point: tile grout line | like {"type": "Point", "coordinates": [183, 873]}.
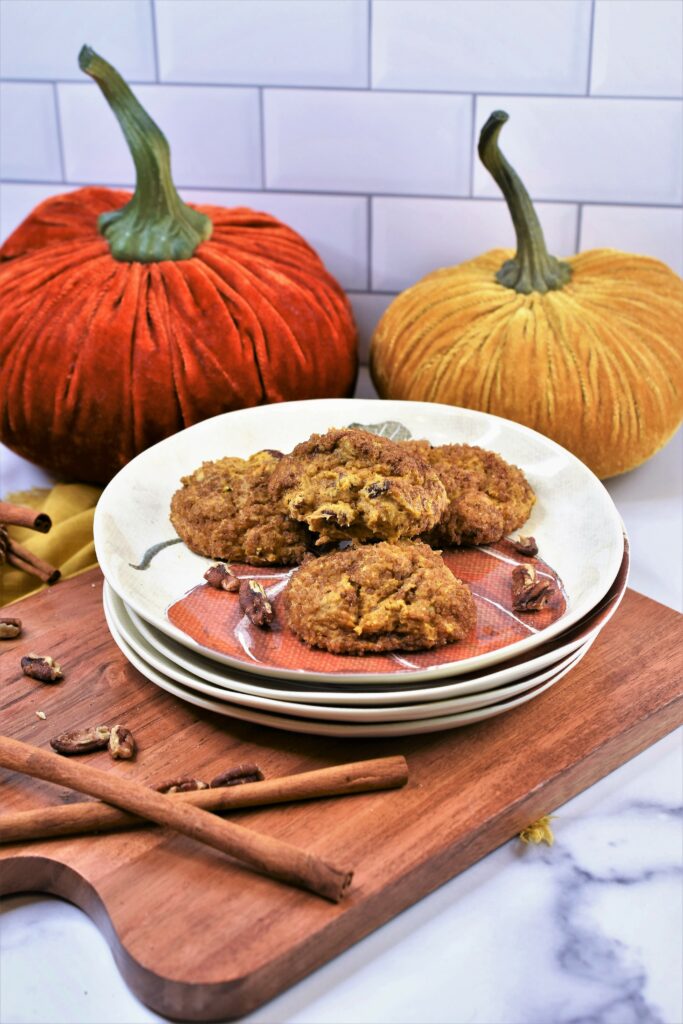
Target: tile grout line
{"type": "Point", "coordinates": [377, 291]}
{"type": "Point", "coordinates": [369, 55]}
{"type": "Point", "coordinates": [155, 39]}
{"type": "Point", "coordinates": [262, 137]}
{"type": "Point", "coordinates": [60, 140]}
{"type": "Point", "coordinates": [473, 135]}
{"type": "Point", "coordinates": [335, 193]}
{"type": "Point", "coordinates": [369, 243]}
{"type": "Point", "coordinates": [415, 91]}
{"type": "Point", "coordinates": [591, 35]}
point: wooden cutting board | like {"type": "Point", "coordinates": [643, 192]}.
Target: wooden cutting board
{"type": "Point", "coordinates": [198, 937]}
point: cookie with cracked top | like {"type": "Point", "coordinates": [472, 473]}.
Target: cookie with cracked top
{"type": "Point", "coordinates": [224, 510]}
{"type": "Point", "coordinates": [351, 484]}
{"type": "Point", "coordinates": [487, 496]}
{"type": "Point", "coordinates": [379, 597]}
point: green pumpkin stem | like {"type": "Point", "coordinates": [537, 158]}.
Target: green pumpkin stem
{"type": "Point", "coordinates": [156, 224]}
{"type": "Point", "coordinates": [533, 269]}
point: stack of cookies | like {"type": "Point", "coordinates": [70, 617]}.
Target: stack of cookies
{"type": "Point", "coordinates": [365, 518]}
{"type": "Point", "coordinates": [359, 582]}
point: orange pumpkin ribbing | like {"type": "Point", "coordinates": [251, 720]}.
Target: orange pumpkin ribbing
{"type": "Point", "coordinates": [100, 358]}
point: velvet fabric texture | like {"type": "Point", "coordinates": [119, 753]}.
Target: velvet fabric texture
{"type": "Point", "coordinates": [597, 365]}
{"type": "Point", "coordinates": [100, 359]}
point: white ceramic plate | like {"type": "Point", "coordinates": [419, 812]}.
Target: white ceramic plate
{"type": "Point", "coordinates": [574, 520]}
{"type": "Point", "coordinates": [390, 694]}
{"type": "Point", "coordinates": [312, 727]}
{"type": "Point", "coordinates": [117, 613]}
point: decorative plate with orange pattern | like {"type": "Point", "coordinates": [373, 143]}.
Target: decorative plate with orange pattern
{"type": "Point", "coordinates": [576, 525]}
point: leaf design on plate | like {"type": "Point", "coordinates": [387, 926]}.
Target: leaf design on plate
{"type": "Point", "coordinates": [154, 550]}
{"type": "Point", "coordinates": [390, 428]}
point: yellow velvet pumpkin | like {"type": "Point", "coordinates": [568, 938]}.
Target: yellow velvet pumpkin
{"type": "Point", "coordinates": [588, 351]}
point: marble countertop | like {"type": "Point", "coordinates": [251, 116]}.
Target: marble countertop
{"type": "Point", "coordinates": [589, 931]}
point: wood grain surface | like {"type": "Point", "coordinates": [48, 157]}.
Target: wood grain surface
{"type": "Point", "coordinates": [199, 937]}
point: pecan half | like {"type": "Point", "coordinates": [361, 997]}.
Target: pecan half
{"type": "Point", "coordinates": [41, 667]}
{"type": "Point", "coordinates": [236, 776]}
{"type": "Point", "coordinates": [220, 578]}
{"type": "Point", "coordinates": [530, 593]}
{"type": "Point", "coordinates": [526, 546]}
{"type": "Point", "coordinates": [183, 785]}
{"type": "Point", "coordinates": [9, 628]}
{"type": "Point", "coordinates": [81, 741]}
{"type": "Point", "coordinates": [121, 743]}
{"type": "Point", "coordinates": [378, 487]}
{"type": "Point", "coordinates": [255, 604]}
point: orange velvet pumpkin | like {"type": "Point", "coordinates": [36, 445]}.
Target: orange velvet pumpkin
{"type": "Point", "coordinates": [120, 328]}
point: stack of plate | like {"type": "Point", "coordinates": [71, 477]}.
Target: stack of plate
{"type": "Point", "coordinates": [577, 528]}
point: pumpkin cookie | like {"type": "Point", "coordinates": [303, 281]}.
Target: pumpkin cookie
{"type": "Point", "coordinates": [350, 484]}
{"type": "Point", "coordinates": [487, 496]}
{"type": "Point", "coordinates": [379, 597]}
{"type": "Point", "coordinates": [223, 510]}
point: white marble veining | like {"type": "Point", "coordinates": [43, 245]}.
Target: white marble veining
{"type": "Point", "coordinates": [589, 931]}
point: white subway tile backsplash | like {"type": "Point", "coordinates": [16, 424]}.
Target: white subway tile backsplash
{"type": "Point", "coordinates": [17, 201]}
{"type": "Point", "coordinates": [367, 310]}
{"type": "Point", "coordinates": [336, 226]}
{"type": "Point", "coordinates": [29, 142]}
{"type": "Point", "coordinates": [351, 120]}
{"type": "Point", "coordinates": [264, 42]}
{"type": "Point", "coordinates": [213, 134]}
{"type": "Point", "coordinates": [364, 386]}
{"type": "Point", "coordinates": [590, 149]}
{"type": "Point", "coordinates": [638, 48]}
{"type": "Point", "coordinates": [475, 45]}
{"type": "Point", "coordinates": [367, 142]}
{"type": "Point", "coordinates": [412, 237]}
{"type": "Point", "coordinates": [42, 38]}
{"type": "Point", "coordinates": [645, 230]}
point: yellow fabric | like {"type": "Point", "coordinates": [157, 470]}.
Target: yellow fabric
{"type": "Point", "coordinates": [69, 545]}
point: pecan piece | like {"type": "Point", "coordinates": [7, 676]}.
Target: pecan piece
{"type": "Point", "coordinates": [121, 743]}
{"type": "Point", "coordinates": [526, 546]}
{"type": "Point", "coordinates": [9, 628]}
{"type": "Point", "coordinates": [41, 667]}
{"type": "Point", "coordinates": [183, 785]}
{"type": "Point", "coordinates": [337, 516]}
{"type": "Point", "coordinates": [81, 741]}
{"type": "Point", "coordinates": [378, 487]}
{"type": "Point", "coordinates": [220, 578]}
{"type": "Point", "coordinates": [530, 593]}
{"type": "Point", "coordinates": [255, 604]}
{"type": "Point", "coordinates": [237, 775]}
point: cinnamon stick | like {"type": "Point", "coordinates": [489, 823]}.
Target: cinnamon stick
{"type": "Point", "coordinates": [270, 856]}
{"type": "Point", "coordinates": [22, 515]}
{"type": "Point", "coordinates": [340, 780]}
{"type": "Point", "coordinates": [21, 558]}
